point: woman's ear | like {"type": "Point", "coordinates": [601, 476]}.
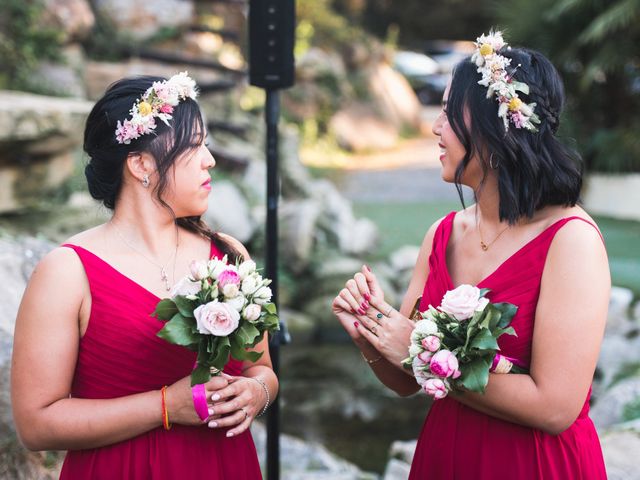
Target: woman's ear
{"type": "Point", "coordinates": [140, 166]}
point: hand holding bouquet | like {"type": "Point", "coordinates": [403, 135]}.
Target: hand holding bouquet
{"type": "Point", "coordinates": [455, 345]}
{"type": "Point", "coordinates": [218, 310]}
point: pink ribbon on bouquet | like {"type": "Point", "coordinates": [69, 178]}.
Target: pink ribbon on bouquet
{"type": "Point", "coordinates": [200, 401]}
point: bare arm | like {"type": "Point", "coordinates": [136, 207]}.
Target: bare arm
{"type": "Point", "coordinates": [44, 359]}
{"type": "Point", "coordinates": [569, 326]}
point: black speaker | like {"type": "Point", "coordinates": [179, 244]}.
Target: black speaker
{"type": "Point", "coordinates": [271, 39]}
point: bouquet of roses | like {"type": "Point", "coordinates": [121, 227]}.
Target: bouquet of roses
{"type": "Point", "coordinates": [455, 345]}
{"type": "Point", "coordinates": [218, 310]}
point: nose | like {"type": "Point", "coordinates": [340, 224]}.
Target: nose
{"type": "Point", "coordinates": [209, 161]}
{"type": "Point", "coordinates": [437, 124]}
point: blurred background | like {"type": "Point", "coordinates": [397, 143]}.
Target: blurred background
{"type": "Point", "coordinates": [360, 179]}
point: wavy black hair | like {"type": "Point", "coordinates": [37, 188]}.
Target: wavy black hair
{"type": "Point", "coordinates": [107, 157]}
{"type": "Point", "coordinates": [534, 168]}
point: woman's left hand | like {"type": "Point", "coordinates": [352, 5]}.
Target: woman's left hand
{"type": "Point", "coordinates": [384, 327]}
{"type": "Point", "coordinates": [236, 405]}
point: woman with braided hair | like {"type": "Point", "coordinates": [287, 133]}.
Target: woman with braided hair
{"type": "Point", "coordinates": [526, 240]}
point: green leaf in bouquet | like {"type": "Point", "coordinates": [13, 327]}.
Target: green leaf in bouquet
{"type": "Point", "coordinates": [165, 309]}
{"type": "Point", "coordinates": [178, 331]}
{"type": "Point", "coordinates": [507, 330]}
{"type": "Point", "coordinates": [475, 374]}
{"type": "Point", "coordinates": [270, 308]}
{"type": "Point", "coordinates": [219, 357]}
{"type": "Point", "coordinates": [185, 306]}
{"type": "Point", "coordinates": [508, 311]}
{"type": "Point", "coordinates": [484, 340]}
{"type": "Point", "coordinates": [484, 291]}
{"type": "Point", "coordinates": [239, 352]}
{"type": "Point", "coordinates": [248, 335]}
{"type": "Point", "coordinates": [200, 374]}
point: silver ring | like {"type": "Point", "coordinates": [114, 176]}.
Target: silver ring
{"type": "Point", "coordinates": [373, 330]}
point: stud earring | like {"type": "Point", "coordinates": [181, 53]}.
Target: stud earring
{"type": "Point", "coordinates": [145, 180]}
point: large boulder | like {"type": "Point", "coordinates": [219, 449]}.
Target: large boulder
{"type": "Point", "coordinates": [142, 20]}
{"type": "Point", "coordinates": [74, 18]}
{"type": "Point", "coordinates": [616, 402]}
{"type": "Point", "coordinates": [620, 448]}
{"type": "Point", "coordinates": [39, 136]}
{"type": "Point", "coordinates": [228, 211]}
{"type": "Point", "coordinates": [359, 128]}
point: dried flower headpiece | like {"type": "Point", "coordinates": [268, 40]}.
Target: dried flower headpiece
{"type": "Point", "coordinates": [493, 68]}
{"type": "Point", "coordinates": [157, 102]}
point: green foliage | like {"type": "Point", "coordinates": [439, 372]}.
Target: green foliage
{"type": "Point", "coordinates": [594, 46]}
{"type": "Point", "coordinates": [24, 42]}
{"type": "Point", "coordinates": [631, 410]}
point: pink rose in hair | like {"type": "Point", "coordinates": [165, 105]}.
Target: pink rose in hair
{"type": "Point", "coordinates": [216, 318]}
{"type": "Point", "coordinates": [166, 108]}
{"type": "Point", "coordinates": [444, 364]}
{"type": "Point", "coordinates": [435, 387]}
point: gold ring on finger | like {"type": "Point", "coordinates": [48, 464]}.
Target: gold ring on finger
{"type": "Point", "coordinates": [373, 330]}
{"type": "Point", "coordinates": [246, 415]}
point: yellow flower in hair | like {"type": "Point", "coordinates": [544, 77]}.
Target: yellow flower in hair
{"type": "Point", "coordinates": [486, 49]}
{"type": "Point", "coordinates": [515, 104]}
{"type": "Point", "coordinates": [144, 108]}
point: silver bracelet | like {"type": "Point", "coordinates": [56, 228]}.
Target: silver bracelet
{"type": "Point", "coordinates": [266, 392]}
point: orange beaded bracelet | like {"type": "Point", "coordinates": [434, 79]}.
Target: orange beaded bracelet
{"type": "Point", "coordinates": [165, 412]}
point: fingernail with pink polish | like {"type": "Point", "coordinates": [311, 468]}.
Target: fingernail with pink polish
{"type": "Point", "coordinates": [367, 267]}
{"type": "Point", "coordinates": [213, 424]}
{"type": "Point", "coordinates": [229, 434]}
{"type": "Point", "coordinates": [211, 411]}
{"type": "Point", "coordinates": [367, 297]}
{"type": "Point", "coordinates": [215, 397]}
{"type": "Point", "coordinates": [356, 324]}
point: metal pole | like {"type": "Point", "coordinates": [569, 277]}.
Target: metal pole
{"type": "Point", "coordinates": [272, 113]}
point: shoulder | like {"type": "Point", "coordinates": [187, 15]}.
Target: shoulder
{"type": "Point", "coordinates": [578, 232]}
{"type": "Point", "coordinates": [88, 238]}
{"type": "Point", "coordinates": [427, 242]}
{"type": "Point", "coordinates": [235, 244]}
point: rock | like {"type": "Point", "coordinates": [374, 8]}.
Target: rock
{"type": "Point", "coordinates": [397, 470]}
{"type": "Point", "coordinates": [619, 349]}
{"type": "Point", "coordinates": [404, 258]}
{"type": "Point", "coordinates": [619, 305]}
{"type": "Point", "coordinates": [64, 78]}
{"type": "Point", "coordinates": [74, 18]}
{"type": "Point", "coordinates": [358, 128]}
{"type": "Point", "coordinates": [300, 325]}
{"type": "Point", "coordinates": [620, 448]}
{"type": "Point", "coordinates": [394, 96]}
{"type": "Point", "coordinates": [228, 211]}
{"type": "Point", "coordinates": [298, 232]}
{"type": "Point", "coordinates": [307, 461]}
{"type": "Point", "coordinates": [609, 408]}
{"type": "Point", "coordinates": [317, 63]}
{"type": "Point", "coordinates": [403, 450]}
{"type": "Point", "coordinates": [254, 182]}
{"type": "Point", "coordinates": [141, 20]}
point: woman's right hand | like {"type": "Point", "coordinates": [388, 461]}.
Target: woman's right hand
{"type": "Point", "coordinates": [180, 399]}
{"type": "Point", "coordinates": [353, 300]}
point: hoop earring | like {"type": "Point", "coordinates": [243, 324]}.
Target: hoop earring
{"type": "Point", "coordinates": [493, 167]}
{"type": "Point", "coordinates": [145, 181]}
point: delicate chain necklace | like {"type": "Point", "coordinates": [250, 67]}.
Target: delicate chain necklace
{"type": "Point", "coordinates": [163, 272]}
{"type": "Point", "coordinates": [485, 246]}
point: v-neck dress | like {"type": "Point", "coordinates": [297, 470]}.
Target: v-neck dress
{"type": "Point", "coordinates": [458, 442]}
{"type": "Point", "coordinates": [120, 354]}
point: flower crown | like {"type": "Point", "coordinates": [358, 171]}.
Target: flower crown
{"type": "Point", "coordinates": [157, 102]}
{"type": "Point", "coordinates": [493, 68]}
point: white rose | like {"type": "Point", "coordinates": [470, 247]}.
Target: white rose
{"type": "Point", "coordinates": [414, 350]}
{"type": "Point", "coordinates": [216, 267]}
{"type": "Point", "coordinates": [262, 296]}
{"type": "Point", "coordinates": [426, 327]}
{"type": "Point", "coordinates": [230, 290]}
{"type": "Point", "coordinates": [482, 304]}
{"type": "Point", "coordinates": [252, 312]}
{"type": "Point", "coordinates": [185, 287]}
{"type": "Point", "coordinates": [199, 269]}
{"type": "Point", "coordinates": [461, 302]}
{"type": "Point", "coordinates": [216, 318]}
{"type": "Point", "coordinates": [246, 268]}
{"type": "Point", "coordinates": [249, 285]}
{"type": "Point", "coordinates": [237, 303]}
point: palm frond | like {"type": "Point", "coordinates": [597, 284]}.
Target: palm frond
{"type": "Point", "coordinates": [617, 17]}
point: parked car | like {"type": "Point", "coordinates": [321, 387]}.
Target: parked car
{"type": "Point", "coordinates": [424, 75]}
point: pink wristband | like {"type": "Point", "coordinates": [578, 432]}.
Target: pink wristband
{"type": "Point", "coordinates": [200, 401]}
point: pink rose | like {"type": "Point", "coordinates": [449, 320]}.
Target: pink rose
{"type": "Point", "coordinates": [425, 357]}
{"type": "Point", "coordinates": [228, 277]}
{"type": "Point", "coordinates": [252, 312]}
{"type": "Point", "coordinates": [431, 343]}
{"type": "Point", "coordinates": [461, 302]}
{"type": "Point", "coordinates": [435, 387]}
{"type": "Point", "coordinates": [216, 318]}
{"type": "Point", "coordinates": [444, 364]}
{"type": "Point", "coordinates": [166, 108]}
